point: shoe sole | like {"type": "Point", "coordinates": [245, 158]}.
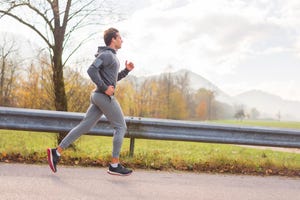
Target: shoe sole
{"type": "Point", "coordinates": [118, 174]}
{"type": "Point", "coordinates": [50, 160]}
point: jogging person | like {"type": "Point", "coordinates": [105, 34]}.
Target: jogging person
{"type": "Point", "coordinates": [104, 72]}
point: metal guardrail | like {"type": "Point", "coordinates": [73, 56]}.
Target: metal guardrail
{"type": "Point", "coordinates": [149, 128]}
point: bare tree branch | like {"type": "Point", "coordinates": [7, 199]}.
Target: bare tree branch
{"type": "Point", "coordinates": [80, 21]}
{"type": "Point", "coordinates": [28, 25]}
{"type": "Point", "coordinates": [7, 70]}
{"type": "Point", "coordinates": [27, 4]}
{"type": "Point", "coordinates": [78, 46]}
{"type": "Point", "coordinates": [66, 15]}
{"type": "Point", "coordinates": [40, 14]}
{"type": "Point", "coordinates": [80, 10]}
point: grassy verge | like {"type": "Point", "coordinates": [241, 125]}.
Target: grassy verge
{"type": "Point", "coordinates": [29, 147]}
{"type": "Point", "coordinates": [270, 123]}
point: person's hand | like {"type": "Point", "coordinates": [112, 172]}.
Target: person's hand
{"type": "Point", "coordinates": [129, 65]}
{"type": "Point", "coordinates": [110, 90]}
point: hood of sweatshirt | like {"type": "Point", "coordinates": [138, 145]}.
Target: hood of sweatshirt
{"type": "Point", "coordinates": [105, 48]}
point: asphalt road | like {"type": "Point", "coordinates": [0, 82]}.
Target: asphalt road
{"type": "Point", "coordinates": [20, 181]}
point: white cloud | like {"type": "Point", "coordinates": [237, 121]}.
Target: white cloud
{"type": "Point", "coordinates": [193, 34]}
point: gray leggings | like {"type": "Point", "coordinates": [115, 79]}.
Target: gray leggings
{"type": "Point", "coordinates": [100, 104]}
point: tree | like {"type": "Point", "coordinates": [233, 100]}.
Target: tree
{"type": "Point", "coordinates": [166, 86]}
{"type": "Point", "coordinates": [78, 90]}
{"type": "Point", "coordinates": [201, 110]}
{"type": "Point", "coordinates": [29, 87]}
{"type": "Point", "coordinates": [54, 21]}
{"type": "Point", "coordinates": [206, 98]}
{"type": "Point", "coordinates": [240, 114]}
{"type": "Point", "coordinates": [127, 95]}
{"type": "Point", "coordinates": [148, 103]}
{"type": "Point", "coordinates": [55, 16]}
{"type": "Point", "coordinates": [8, 70]}
{"type": "Point", "coordinates": [254, 113]}
{"type": "Point", "coordinates": [172, 102]}
{"type": "Point", "coordinates": [278, 116]}
{"type": "Point", "coordinates": [159, 97]}
{"type": "Point", "coordinates": [183, 83]}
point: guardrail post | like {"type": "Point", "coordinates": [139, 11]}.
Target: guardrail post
{"type": "Point", "coordinates": [131, 147]}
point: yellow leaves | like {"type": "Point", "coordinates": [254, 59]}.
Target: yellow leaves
{"type": "Point", "coordinates": [269, 171]}
{"type": "Point", "coordinates": [202, 110]}
{"type": "Point", "coordinates": [34, 89]}
{"type": "Point", "coordinates": [3, 154]}
{"type": "Point", "coordinates": [158, 98]}
{"type": "Point", "coordinates": [164, 96]}
{"type": "Point", "coordinates": [78, 90]}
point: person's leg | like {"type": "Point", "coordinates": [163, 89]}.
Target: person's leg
{"type": "Point", "coordinates": [91, 118]}
{"type": "Point", "coordinates": [112, 110]}
{"type": "Point", "coordinates": [116, 118]}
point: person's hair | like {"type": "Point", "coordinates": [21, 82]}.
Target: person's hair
{"type": "Point", "coordinates": [109, 34]}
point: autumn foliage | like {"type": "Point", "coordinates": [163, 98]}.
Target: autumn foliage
{"type": "Point", "coordinates": [164, 96]}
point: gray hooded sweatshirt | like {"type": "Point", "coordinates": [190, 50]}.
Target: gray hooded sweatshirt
{"type": "Point", "coordinates": [104, 71]}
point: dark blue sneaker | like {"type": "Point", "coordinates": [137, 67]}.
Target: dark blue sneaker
{"type": "Point", "coordinates": [120, 170]}
{"type": "Point", "coordinates": [53, 159]}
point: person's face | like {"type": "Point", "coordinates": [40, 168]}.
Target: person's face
{"type": "Point", "coordinates": [117, 41]}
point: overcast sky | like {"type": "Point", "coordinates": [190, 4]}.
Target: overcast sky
{"type": "Point", "coordinates": [236, 44]}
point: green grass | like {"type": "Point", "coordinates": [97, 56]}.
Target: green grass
{"type": "Point", "coordinates": [156, 154]}
{"type": "Point", "coordinates": [25, 142]}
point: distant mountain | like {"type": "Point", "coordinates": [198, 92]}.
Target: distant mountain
{"type": "Point", "coordinates": [197, 81]}
{"type": "Point", "coordinates": [270, 104]}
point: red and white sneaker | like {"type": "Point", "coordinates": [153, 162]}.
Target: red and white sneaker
{"type": "Point", "coordinates": [53, 159]}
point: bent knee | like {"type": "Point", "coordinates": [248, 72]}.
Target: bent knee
{"type": "Point", "coordinates": [121, 129]}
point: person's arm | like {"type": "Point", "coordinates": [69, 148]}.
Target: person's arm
{"type": "Point", "coordinates": [128, 67]}
{"type": "Point", "coordinates": [123, 74]}
{"type": "Point", "coordinates": [93, 72]}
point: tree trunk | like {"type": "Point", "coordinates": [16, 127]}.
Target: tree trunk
{"type": "Point", "coordinates": [58, 75]}
{"type": "Point", "coordinates": [59, 85]}
{"type": "Point", "coordinates": [2, 81]}
{"type": "Point", "coordinates": [57, 64]}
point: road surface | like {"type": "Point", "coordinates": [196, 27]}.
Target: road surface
{"type": "Point", "coordinates": [20, 181]}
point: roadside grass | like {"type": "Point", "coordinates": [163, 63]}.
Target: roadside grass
{"type": "Point", "coordinates": [29, 147]}
{"type": "Point", "coordinates": [266, 123]}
